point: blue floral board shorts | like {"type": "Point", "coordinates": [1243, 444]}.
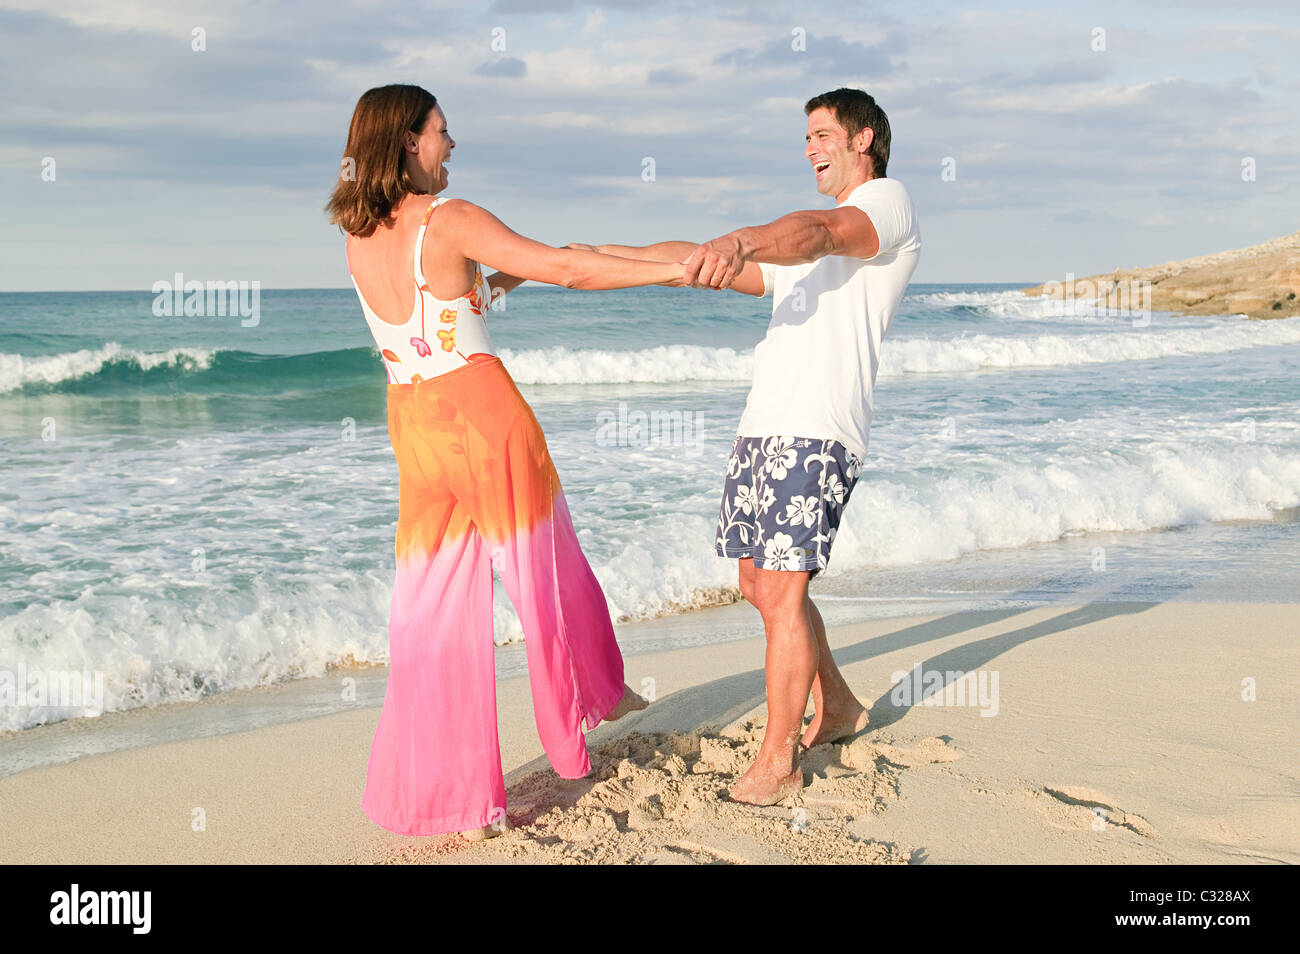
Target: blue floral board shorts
{"type": "Point", "coordinates": [783, 500]}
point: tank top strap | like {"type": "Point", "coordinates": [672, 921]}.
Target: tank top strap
{"type": "Point", "coordinates": [419, 241]}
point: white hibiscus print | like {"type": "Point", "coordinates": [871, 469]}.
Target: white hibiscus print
{"type": "Point", "coordinates": [801, 509]}
{"type": "Point", "coordinates": [768, 498]}
{"type": "Point", "coordinates": [835, 488]}
{"type": "Point", "coordinates": [746, 500]}
{"type": "Point", "coordinates": [778, 553]}
{"type": "Point", "coordinates": [781, 457]}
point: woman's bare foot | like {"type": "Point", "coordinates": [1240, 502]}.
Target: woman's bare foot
{"type": "Point", "coordinates": [631, 702]}
{"type": "Point", "coordinates": [834, 726]}
{"type": "Point", "coordinates": [487, 831]}
{"type": "Point", "coordinates": [763, 785]}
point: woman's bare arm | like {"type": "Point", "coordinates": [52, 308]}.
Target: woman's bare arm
{"type": "Point", "coordinates": [749, 281]}
{"type": "Point", "coordinates": [659, 252]}
{"type": "Point", "coordinates": [482, 237]}
{"type": "Point", "coordinates": [503, 283]}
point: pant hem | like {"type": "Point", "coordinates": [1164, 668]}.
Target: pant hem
{"type": "Point", "coordinates": [803, 567]}
{"type": "Point", "coordinates": [447, 825]}
{"type": "Point", "coordinates": [565, 775]}
{"type": "Point", "coordinates": [596, 715]}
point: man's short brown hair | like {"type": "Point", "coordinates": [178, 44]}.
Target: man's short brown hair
{"type": "Point", "coordinates": [856, 110]}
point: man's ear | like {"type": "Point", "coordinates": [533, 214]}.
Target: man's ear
{"type": "Point", "coordinates": [864, 138]}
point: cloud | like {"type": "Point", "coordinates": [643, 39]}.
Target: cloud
{"type": "Point", "coordinates": [668, 77]}
{"type": "Point", "coordinates": [1152, 130]}
{"type": "Point", "coordinates": [506, 66]}
{"type": "Point", "coordinates": [819, 55]}
{"type": "Point", "coordinates": [1053, 74]}
{"type": "Point", "coordinates": [532, 6]}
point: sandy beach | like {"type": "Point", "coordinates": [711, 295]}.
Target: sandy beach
{"type": "Point", "coordinates": [1112, 733]}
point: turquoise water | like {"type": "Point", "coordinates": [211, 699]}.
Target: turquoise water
{"type": "Point", "coordinates": [191, 505]}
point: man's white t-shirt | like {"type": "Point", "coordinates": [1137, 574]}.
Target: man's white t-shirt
{"type": "Point", "coordinates": [815, 369]}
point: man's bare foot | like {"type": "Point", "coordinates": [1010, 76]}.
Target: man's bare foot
{"type": "Point", "coordinates": [835, 726]}
{"type": "Point", "coordinates": [631, 702]}
{"type": "Point", "coordinates": [761, 786]}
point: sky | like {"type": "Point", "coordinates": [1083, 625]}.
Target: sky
{"type": "Point", "coordinates": [1035, 139]}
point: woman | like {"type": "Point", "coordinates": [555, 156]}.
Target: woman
{"type": "Point", "coordinates": [477, 487]}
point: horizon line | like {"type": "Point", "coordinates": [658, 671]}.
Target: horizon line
{"type": "Point", "coordinates": [527, 284]}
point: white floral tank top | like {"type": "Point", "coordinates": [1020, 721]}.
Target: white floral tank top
{"type": "Point", "coordinates": [440, 336]}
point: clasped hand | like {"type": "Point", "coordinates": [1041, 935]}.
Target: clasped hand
{"type": "Point", "coordinates": [714, 264]}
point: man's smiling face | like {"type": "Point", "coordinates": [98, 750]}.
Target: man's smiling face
{"type": "Point", "coordinates": [837, 161]}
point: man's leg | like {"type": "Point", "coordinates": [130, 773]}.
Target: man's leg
{"type": "Point", "coordinates": [838, 713]}
{"type": "Point", "coordinates": [791, 663]}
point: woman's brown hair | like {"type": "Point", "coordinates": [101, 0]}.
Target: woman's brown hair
{"type": "Point", "coordinates": [372, 177]}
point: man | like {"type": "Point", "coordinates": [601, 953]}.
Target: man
{"type": "Point", "coordinates": [836, 277]}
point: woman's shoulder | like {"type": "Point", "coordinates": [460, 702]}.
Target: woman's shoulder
{"type": "Point", "coordinates": [453, 206]}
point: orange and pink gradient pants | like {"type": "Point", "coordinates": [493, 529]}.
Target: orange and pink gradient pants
{"type": "Point", "coordinates": [478, 490]}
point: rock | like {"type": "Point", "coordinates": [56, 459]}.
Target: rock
{"type": "Point", "coordinates": [1261, 281]}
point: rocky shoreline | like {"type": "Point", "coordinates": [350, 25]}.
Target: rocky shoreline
{"type": "Point", "coordinates": [1260, 281]}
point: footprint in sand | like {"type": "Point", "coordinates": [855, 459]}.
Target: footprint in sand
{"type": "Point", "coordinates": [1092, 808]}
{"type": "Point", "coordinates": [661, 799]}
{"type": "Point", "coordinates": [866, 771]}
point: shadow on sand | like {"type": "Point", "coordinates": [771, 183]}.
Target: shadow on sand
{"type": "Point", "coordinates": [722, 701]}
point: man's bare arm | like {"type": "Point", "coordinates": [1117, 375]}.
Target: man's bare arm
{"type": "Point", "coordinates": [807, 236]}
{"type": "Point", "coordinates": [501, 283]}
{"type": "Point", "coordinates": [790, 240]}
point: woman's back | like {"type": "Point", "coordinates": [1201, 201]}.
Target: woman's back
{"type": "Point", "coordinates": [420, 334]}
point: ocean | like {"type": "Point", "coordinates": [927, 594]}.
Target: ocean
{"type": "Point", "coordinates": [192, 505]}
